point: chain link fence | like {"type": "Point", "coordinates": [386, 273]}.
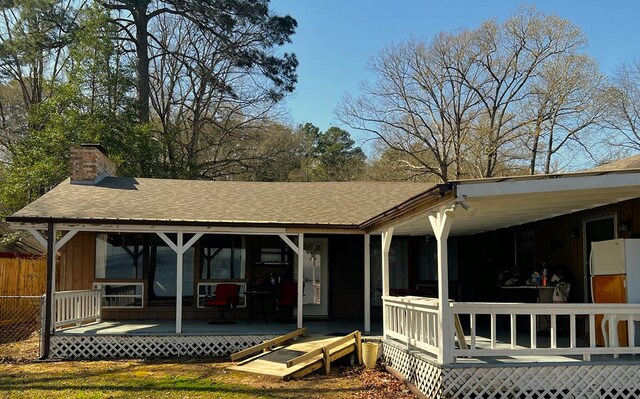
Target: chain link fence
{"type": "Point", "coordinates": [20, 327]}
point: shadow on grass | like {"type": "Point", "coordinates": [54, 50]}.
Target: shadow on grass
{"type": "Point", "coordinates": [183, 386]}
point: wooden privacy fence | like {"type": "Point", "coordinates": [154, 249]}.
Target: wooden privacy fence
{"type": "Point", "coordinates": [21, 277]}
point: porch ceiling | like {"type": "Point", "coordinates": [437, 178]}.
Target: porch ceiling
{"type": "Point", "coordinates": [495, 204]}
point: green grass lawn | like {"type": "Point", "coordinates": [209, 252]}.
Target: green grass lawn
{"type": "Point", "coordinates": [183, 379]}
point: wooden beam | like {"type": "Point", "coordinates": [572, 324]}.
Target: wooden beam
{"type": "Point", "coordinates": [70, 234]}
{"type": "Point", "coordinates": [441, 225]}
{"type": "Point", "coordinates": [290, 243]}
{"type": "Point", "coordinates": [192, 241]}
{"type": "Point", "coordinates": [168, 241]}
{"type": "Point", "coordinates": [38, 236]}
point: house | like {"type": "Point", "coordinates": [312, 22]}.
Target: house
{"type": "Point", "coordinates": [442, 266]}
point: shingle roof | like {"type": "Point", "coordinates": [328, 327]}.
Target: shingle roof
{"type": "Point", "coordinates": [164, 200]}
{"type": "Point", "coordinates": [632, 162]}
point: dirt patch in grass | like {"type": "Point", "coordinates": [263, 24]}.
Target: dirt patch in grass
{"type": "Point", "coordinates": [26, 349]}
{"type": "Point", "coordinates": [185, 379]}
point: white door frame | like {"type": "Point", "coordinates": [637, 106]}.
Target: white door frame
{"type": "Point", "coordinates": [323, 308]}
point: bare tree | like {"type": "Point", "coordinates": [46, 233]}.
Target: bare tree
{"type": "Point", "coordinates": [511, 55]}
{"type": "Point", "coordinates": [623, 99]}
{"type": "Point", "coordinates": [567, 107]}
{"type": "Point", "coordinates": [245, 31]}
{"type": "Point", "coordinates": [419, 105]}
{"type": "Point", "coordinates": [211, 113]}
{"type": "Point", "coordinates": [461, 105]}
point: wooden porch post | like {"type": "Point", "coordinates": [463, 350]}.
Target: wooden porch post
{"type": "Point", "coordinates": [49, 305]}
{"type": "Point", "coordinates": [367, 283]}
{"type": "Point", "coordinates": [300, 277]}
{"type": "Point", "coordinates": [386, 246]}
{"type": "Point", "coordinates": [441, 224]}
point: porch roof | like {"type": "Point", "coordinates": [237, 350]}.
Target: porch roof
{"type": "Point", "coordinates": [122, 200]}
{"type": "Point", "coordinates": [490, 204]}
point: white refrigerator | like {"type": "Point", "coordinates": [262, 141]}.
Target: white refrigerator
{"type": "Point", "coordinates": [615, 276]}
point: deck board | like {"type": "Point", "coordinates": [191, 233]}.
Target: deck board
{"type": "Point", "coordinates": [274, 363]}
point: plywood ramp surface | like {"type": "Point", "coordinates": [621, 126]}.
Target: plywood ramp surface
{"type": "Point", "coordinates": [274, 363]}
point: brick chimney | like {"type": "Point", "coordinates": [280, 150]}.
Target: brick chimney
{"type": "Point", "coordinates": [90, 164]}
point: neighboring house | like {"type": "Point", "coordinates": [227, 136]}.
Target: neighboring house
{"type": "Point", "coordinates": [24, 246]}
{"type": "Point", "coordinates": [372, 250]}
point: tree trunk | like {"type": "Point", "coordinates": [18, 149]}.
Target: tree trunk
{"type": "Point", "coordinates": [534, 150]}
{"type": "Point", "coordinates": [142, 52]}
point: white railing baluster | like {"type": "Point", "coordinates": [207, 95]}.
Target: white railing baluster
{"type": "Point", "coordinates": [632, 331]}
{"type": "Point", "coordinates": [493, 330]}
{"type": "Point", "coordinates": [554, 332]}
{"type": "Point", "coordinates": [472, 322]}
{"type": "Point", "coordinates": [534, 331]}
{"type": "Point", "coordinates": [572, 331]}
{"type": "Point", "coordinates": [513, 332]}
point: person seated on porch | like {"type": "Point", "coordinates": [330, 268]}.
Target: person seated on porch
{"type": "Point", "coordinates": [224, 298]}
{"type": "Point", "coordinates": [287, 301]}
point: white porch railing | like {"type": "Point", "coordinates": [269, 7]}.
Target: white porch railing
{"type": "Point", "coordinates": [412, 320]}
{"type": "Point", "coordinates": [76, 307]}
{"type": "Point", "coordinates": [548, 314]}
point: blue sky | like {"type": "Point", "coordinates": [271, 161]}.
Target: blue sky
{"type": "Point", "coordinates": [336, 38]}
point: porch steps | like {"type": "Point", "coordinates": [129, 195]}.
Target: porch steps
{"type": "Point", "coordinates": [284, 359]}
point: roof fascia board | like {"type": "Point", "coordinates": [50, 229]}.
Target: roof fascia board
{"type": "Point", "coordinates": [549, 185]}
{"type": "Point", "coordinates": [139, 228]}
{"type": "Point", "coordinates": [412, 212]}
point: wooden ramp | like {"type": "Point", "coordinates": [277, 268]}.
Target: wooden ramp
{"type": "Point", "coordinates": [284, 359]}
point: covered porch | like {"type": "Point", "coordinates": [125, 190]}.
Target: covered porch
{"type": "Point", "coordinates": [82, 322]}
{"type": "Point", "coordinates": [500, 348]}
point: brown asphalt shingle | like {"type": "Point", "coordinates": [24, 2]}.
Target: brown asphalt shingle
{"type": "Point", "coordinates": [316, 203]}
{"type": "Point", "coordinates": [632, 162]}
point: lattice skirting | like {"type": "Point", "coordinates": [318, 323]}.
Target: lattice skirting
{"type": "Point", "coordinates": [584, 380]}
{"type": "Point", "coordinates": [140, 346]}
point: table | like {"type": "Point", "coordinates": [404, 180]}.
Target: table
{"type": "Point", "coordinates": [261, 297]}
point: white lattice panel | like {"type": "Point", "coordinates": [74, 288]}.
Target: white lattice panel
{"type": "Point", "coordinates": [584, 380]}
{"type": "Point", "coordinates": [139, 346]}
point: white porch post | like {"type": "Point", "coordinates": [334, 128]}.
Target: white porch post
{"type": "Point", "coordinates": [179, 248]}
{"type": "Point", "coordinates": [386, 245]}
{"type": "Point", "coordinates": [441, 225]}
{"type": "Point", "coordinates": [367, 283]}
{"type": "Point", "coordinates": [179, 268]}
{"type": "Point", "coordinates": [300, 277]}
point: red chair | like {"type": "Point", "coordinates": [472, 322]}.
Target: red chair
{"type": "Point", "coordinates": [288, 300]}
{"type": "Point", "coordinates": [225, 298]}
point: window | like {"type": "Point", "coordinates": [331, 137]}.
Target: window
{"type": "Point", "coordinates": [119, 256]}
{"type": "Point", "coordinates": [162, 269]}
{"type": "Point", "coordinates": [222, 257]}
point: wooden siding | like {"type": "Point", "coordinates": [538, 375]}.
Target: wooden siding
{"type": "Point", "coordinates": [76, 267]}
